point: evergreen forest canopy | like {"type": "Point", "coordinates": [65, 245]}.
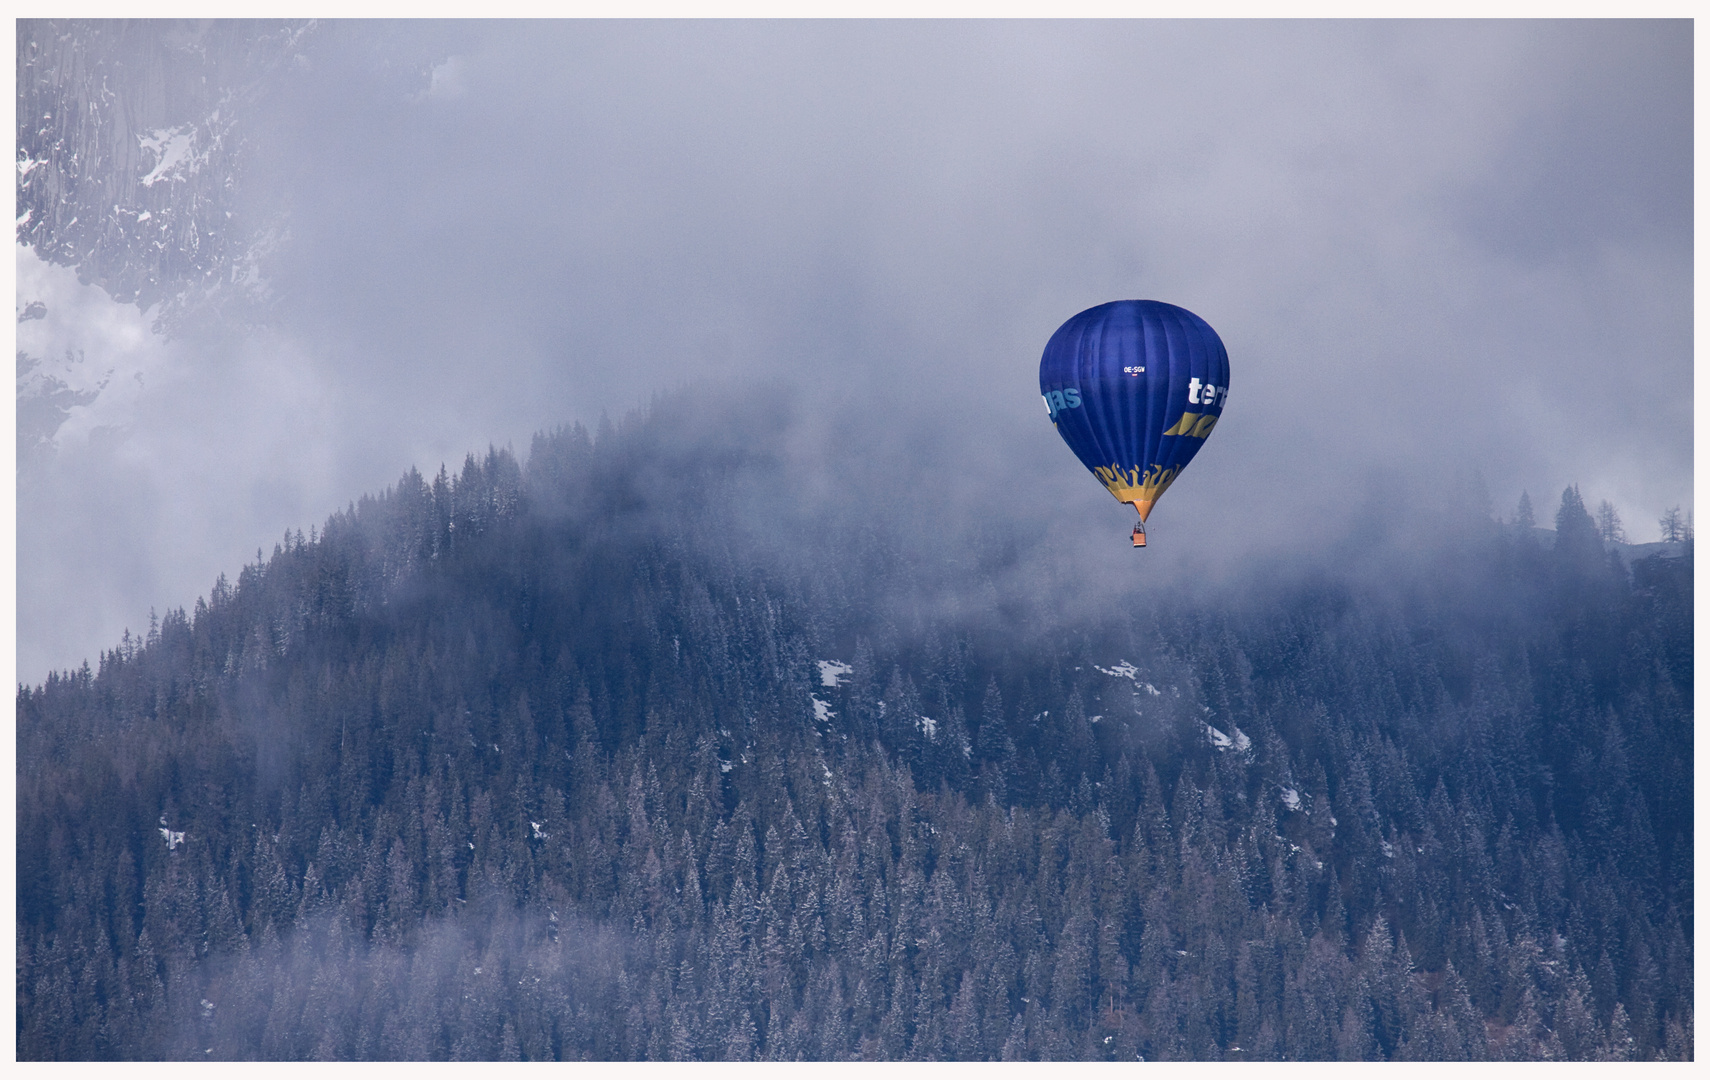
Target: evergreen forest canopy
{"type": "Point", "coordinates": [523, 764]}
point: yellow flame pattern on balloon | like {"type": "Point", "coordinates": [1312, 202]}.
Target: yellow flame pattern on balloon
{"type": "Point", "coordinates": [1142, 488]}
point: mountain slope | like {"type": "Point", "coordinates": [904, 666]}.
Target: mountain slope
{"type": "Point", "coordinates": [602, 755]}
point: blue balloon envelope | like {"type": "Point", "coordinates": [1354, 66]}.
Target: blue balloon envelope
{"type": "Point", "coordinates": [1134, 387]}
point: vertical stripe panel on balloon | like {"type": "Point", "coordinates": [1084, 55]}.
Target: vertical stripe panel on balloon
{"type": "Point", "coordinates": [1194, 364]}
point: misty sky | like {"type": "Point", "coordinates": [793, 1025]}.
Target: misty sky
{"type": "Point", "coordinates": [1428, 247]}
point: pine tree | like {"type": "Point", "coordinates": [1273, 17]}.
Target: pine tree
{"type": "Point", "coordinates": [1674, 527]}
{"type": "Point", "coordinates": [1609, 524]}
{"type": "Point", "coordinates": [1524, 518]}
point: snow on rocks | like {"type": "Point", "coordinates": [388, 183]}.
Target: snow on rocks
{"type": "Point", "coordinates": [1125, 670]}
{"type": "Point", "coordinates": [1291, 798]}
{"type": "Point", "coordinates": [174, 154]}
{"type": "Point", "coordinates": [831, 672]}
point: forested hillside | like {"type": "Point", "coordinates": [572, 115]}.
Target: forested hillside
{"type": "Point", "coordinates": [523, 763]}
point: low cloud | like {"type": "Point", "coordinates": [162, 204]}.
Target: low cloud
{"type": "Point", "coordinates": [1430, 248]}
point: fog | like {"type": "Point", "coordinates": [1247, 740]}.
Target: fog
{"type": "Point", "coordinates": [1430, 249]}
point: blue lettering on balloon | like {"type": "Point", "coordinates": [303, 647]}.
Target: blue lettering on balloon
{"type": "Point", "coordinates": [1058, 400]}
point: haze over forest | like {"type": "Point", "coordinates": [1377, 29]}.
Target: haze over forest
{"type": "Point", "coordinates": [718, 656]}
{"type": "Point", "coordinates": [1431, 248]}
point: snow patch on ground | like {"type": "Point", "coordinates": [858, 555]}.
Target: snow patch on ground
{"type": "Point", "coordinates": [1239, 743]}
{"type": "Point", "coordinates": [821, 710]}
{"type": "Point", "coordinates": [1125, 670]}
{"type": "Point", "coordinates": [831, 672]}
{"type": "Point", "coordinates": [1291, 798]}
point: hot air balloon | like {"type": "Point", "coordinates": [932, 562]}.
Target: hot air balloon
{"type": "Point", "coordinates": [1134, 387]}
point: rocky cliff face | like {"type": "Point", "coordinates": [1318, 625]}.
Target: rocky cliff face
{"type": "Point", "coordinates": [131, 151]}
